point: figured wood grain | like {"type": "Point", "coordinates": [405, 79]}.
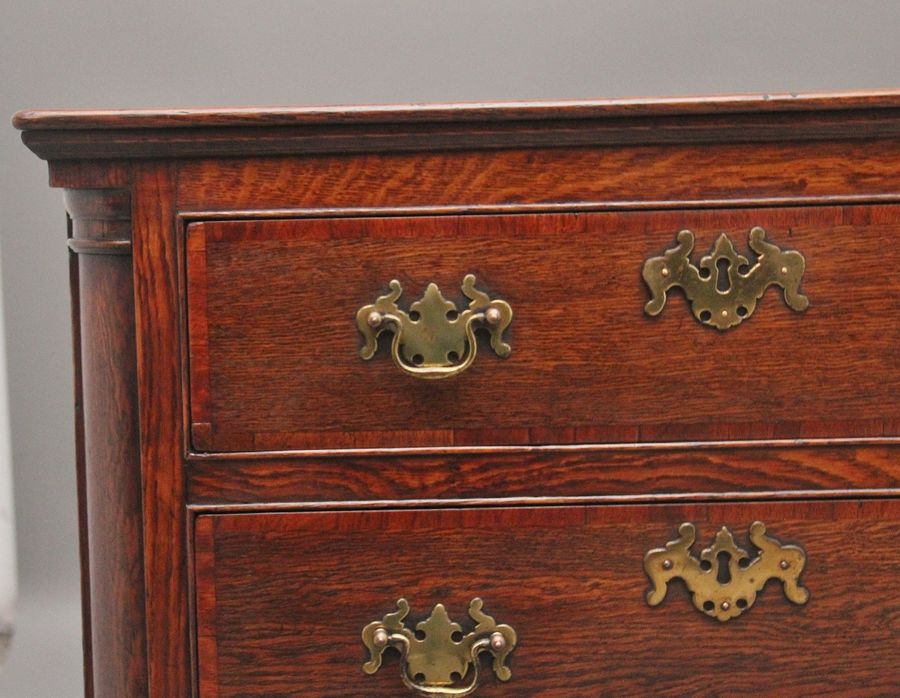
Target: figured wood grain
{"type": "Point", "coordinates": [158, 323]}
{"type": "Point", "coordinates": [587, 364]}
{"type": "Point", "coordinates": [108, 449]}
{"type": "Point", "coordinates": [630, 176]}
{"type": "Point", "coordinates": [695, 471]}
{"type": "Point", "coordinates": [293, 591]}
{"type": "Point", "coordinates": [274, 590]}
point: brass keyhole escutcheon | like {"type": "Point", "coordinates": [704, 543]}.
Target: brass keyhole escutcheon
{"type": "Point", "coordinates": [724, 289]}
{"type": "Point", "coordinates": [725, 580]}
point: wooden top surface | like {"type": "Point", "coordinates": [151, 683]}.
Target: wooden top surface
{"type": "Point", "coordinates": [91, 119]}
{"type": "Point", "coordinates": [248, 132]}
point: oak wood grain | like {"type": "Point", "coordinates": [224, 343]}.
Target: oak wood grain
{"type": "Point", "coordinates": [629, 176]}
{"type": "Point", "coordinates": [288, 595]}
{"type": "Point", "coordinates": [695, 471]}
{"type": "Point", "coordinates": [159, 382]}
{"type": "Point", "coordinates": [274, 345]}
{"type": "Point", "coordinates": [107, 436]}
{"type": "Point", "coordinates": [551, 534]}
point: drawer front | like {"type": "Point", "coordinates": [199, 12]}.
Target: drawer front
{"type": "Point", "coordinates": [275, 349]}
{"type": "Point", "coordinates": [283, 598]}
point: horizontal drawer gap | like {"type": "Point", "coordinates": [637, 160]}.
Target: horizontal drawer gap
{"type": "Point", "coordinates": [699, 497]}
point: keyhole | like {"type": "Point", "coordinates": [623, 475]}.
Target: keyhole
{"type": "Point", "coordinates": [723, 281]}
{"type": "Point", "coordinates": [723, 574]}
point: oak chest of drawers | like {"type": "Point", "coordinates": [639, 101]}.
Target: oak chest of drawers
{"type": "Point", "coordinates": [562, 399]}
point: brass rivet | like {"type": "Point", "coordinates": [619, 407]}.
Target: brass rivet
{"type": "Point", "coordinates": [380, 637]}
{"type": "Point", "coordinates": [725, 605]}
{"type": "Point", "coordinates": [667, 564]}
{"type": "Point", "coordinates": [664, 272]}
{"type": "Point", "coordinates": [784, 270]}
{"type": "Point", "coordinates": [492, 316]}
{"type": "Point", "coordinates": [784, 564]}
{"type": "Point", "coordinates": [724, 313]}
{"type": "Point", "coordinates": [498, 642]}
{"type": "Point", "coordinates": [374, 319]}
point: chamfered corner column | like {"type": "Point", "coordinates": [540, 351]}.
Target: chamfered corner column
{"type": "Point", "coordinates": [109, 468]}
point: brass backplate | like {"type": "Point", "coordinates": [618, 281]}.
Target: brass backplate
{"type": "Point", "coordinates": [434, 339]}
{"type": "Point", "coordinates": [438, 659]}
{"type": "Point", "coordinates": [724, 289]}
{"type": "Point", "coordinates": [722, 588]}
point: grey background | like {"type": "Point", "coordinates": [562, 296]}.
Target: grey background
{"type": "Point", "coordinates": [119, 53]}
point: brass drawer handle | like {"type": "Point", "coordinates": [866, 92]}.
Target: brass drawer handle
{"type": "Point", "coordinates": [724, 590]}
{"type": "Point", "coordinates": [435, 659]}
{"type": "Point", "coordinates": [435, 339]}
{"type": "Point", "coordinates": [720, 293]}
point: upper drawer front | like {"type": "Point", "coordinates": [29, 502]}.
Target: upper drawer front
{"type": "Point", "coordinates": [282, 599]}
{"type": "Point", "coordinates": [274, 345]}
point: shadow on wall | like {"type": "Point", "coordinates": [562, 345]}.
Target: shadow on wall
{"type": "Point", "coordinates": [7, 540]}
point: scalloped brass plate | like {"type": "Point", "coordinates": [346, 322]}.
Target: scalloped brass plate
{"type": "Point", "coordinates": [725, 589]}
{"type": "Point", "coordinates": [437, 657]}
{"type": "Point", "coordinates": [434, 339]}
{"type": "Point", "coordinates": [724, 289]}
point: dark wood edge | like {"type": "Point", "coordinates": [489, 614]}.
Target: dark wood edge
{"type": "Point", "coordinates": [81, 484]}
{"type": "Point", "coordinates": [194, 570]}
{"type": "Point", "coordinates": [35, 119]}
{"type": "Point", "coordinates": [100, 246]}
{"type": "Point", "coordinates": [548, 449]}
{"type": "Point", "coordinates": [188, 216]}
{"type": "Point", "coordinates": [195, 326]}
{"type": "Point", "coordinates": [180, 227]}
{"type": "Point", "coordinates": [418, 135]}
{"type": "Point", "coordinates": [90, 174]}
{"type": "Point", "coordinates": [502, 502]}
{"type": "Point", "coordinates": [101, 205]}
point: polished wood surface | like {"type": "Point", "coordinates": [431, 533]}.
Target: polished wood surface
{"type": "Point", "coordinates": [80, 474]}
{"type": "Point", "coordinates": [108, 447]}
{"type": "Point", "coordinates": [273, 304]}
{"type": "Point", "coordinates": [283, 598]}
{"type": "Point", "coordinates": [544, 179]}
{"type": "Point", "coordinates": [244, 505]}
{"type": "Point", "coordinates": [693, 470]}
{"type": "Point", "coordinates": [96, 119]}
{"type": "Point", "coordinates": [160, 388]}
{"type": "Point", "coordinates": [67, 135]}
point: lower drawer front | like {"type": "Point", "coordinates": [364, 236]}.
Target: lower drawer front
{"type": "Point", "coordinates": [282, 599]}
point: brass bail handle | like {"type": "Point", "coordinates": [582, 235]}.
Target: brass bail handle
{"type": "Point", "coordinates": [434, 339]}
{"type": "Point", "coordinates": [433, 663]}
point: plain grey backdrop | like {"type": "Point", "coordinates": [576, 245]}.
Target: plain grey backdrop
{"type": "Point", "coordinates": [119, 53]}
